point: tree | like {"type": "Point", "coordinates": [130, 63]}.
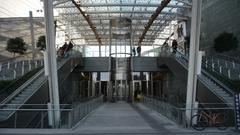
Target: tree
{"type": "Point", "coordinates": [16, 45]}
{"type": "Point", "coordinates": [41, 43]}
{"type": "Point", "coordinates": [225, 42]}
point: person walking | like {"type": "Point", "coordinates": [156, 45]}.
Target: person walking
{"type": "Point", "coordinates": [174, 46]}
{"type": "Point", "coordinates": [134, 51]}
{"type": "Point", "coordinates": [139, 50]}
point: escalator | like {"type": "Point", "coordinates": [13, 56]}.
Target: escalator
{"type": "Point", "coordinates": [178, 64]}
{"type": "Point", "coordinates": [37, 84]}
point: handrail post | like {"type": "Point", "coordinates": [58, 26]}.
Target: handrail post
{"type": "Point", "coordinates": [15, 119]}
{"type": "Point", "coordinates": [42, 119]}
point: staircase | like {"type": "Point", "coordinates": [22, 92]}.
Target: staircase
{"type": "Point", "coordinates": [21, 95]}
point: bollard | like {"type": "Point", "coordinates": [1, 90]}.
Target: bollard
{"type": "Point", "coordinates": [0, 67]}
{"type": "Point", "coordinates": [220, 69]}
{"type": "Point", "coordinates": [233, 64]}
{"type": "Point", "coordinates": [218, 62]}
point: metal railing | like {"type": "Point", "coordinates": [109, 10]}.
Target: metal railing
{"type": "Point", "coordinates": [229, 69]}
{"type": "Point", "coordinates": [173, 113]}
{"type": "Point", "coordinates": [37, 115]}
{"type": "Point", "coordinates": [17, 83]}
{"type": "Point", "coordinates": [38, 75]}
{"type": "Point", "coordinates": [81, 110]}
{"type": "Point", "coordinates": [12, 70]}
{"type": "Point", "coordinates": [177, 114]}
{"type": "Point", "coordinates": [182, 59]}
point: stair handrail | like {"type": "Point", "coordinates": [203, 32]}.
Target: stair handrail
{"type": "Point", "coordinates": [204, 72]}
{"type": "Point", "coordinates": [222, 85]}
{"type": "Point", "coordinates": [19, 89]}
{"type": "Point", "coordinates": [219, 83]}
{"type": "Point", "coordinates": [227, 58]}
{"type": "Point", "coordinates": [14, 84]}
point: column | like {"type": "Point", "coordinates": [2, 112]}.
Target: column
{"type": "Point", "coordinates": [32, 33]}
{"type": "Point", "coordinates": [193, 58]}
{"type": "Point", "coordinates": [51, 61]}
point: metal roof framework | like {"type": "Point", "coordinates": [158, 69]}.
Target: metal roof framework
{"type": "Point", "coordinates": [99, 12]}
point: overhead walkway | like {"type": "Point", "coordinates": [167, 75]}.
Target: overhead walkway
{"type": "Point", "coordinates": [123, 119]}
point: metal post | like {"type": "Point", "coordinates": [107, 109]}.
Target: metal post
{"type": "Point", "coordinates": [109, 89]}
{"type": "Point", "coordinates": [229, 74]}
{"type": "Point", "coordinates": [99, 46]}
{"type": "Point", "coordinates": [105, 51]}
{"type": "Point", "coordinates": [213, 66]}
{"type": "Point", "coordinates": [22, 68]}
{"type": "Point", "coordinates": [42, 119]}
{"type": "Point", "coordinates": [84, 51]}
{"type": "Point", "coordinates": [14, 74]}
{"type": "Point", "coordinates": [32, 33]}
{"type": "Point", "coordinates": [151, 84]}
{"type": "Point", "coordinates": [206, 63]}
{"type": "Point", "coordinates": [51, 51]}
{"type": "Point", "coordinates": [29, 65]}
{"type": "Point", "coordinates": [131, 58]}
{"type": "Point", "coordinates": [192, 67]}
{"type": "Point", "coordinates": [8, 64]}
{"type": "Point", "coordinates": [199, 62]}
{"type": "Point", "coordinates": [15, 119]}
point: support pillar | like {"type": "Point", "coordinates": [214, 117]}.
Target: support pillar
{"type": "Point", "coordinates": [32, 34]}
{"type": "Point", "coordinates": [193, 59]}
{"type": "Point", "coordinates": [109, 89]}
{"type": "Point", "coordinates": [51, 61]}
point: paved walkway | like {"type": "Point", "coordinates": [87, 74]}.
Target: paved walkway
{"type": "Point", "coordinates": [121, 119]}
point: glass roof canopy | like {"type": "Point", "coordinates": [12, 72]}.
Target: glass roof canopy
{"type": "Point", "coordinates": [99, 12]}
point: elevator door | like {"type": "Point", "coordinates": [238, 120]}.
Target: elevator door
{"type": "Point", "coordinates": [121, 90]}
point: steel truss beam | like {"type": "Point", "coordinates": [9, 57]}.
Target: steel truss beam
{"type": "Point", "coordinates": [122, 5]}
{"type": "Point", "coordinates": [120, 12]}
{"type": "Point", "coordinates": [87, 18]}
{"type": "Point", "coordinates": [70, 18]}
{"type": "Point", "coordinates": [164, 3]}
